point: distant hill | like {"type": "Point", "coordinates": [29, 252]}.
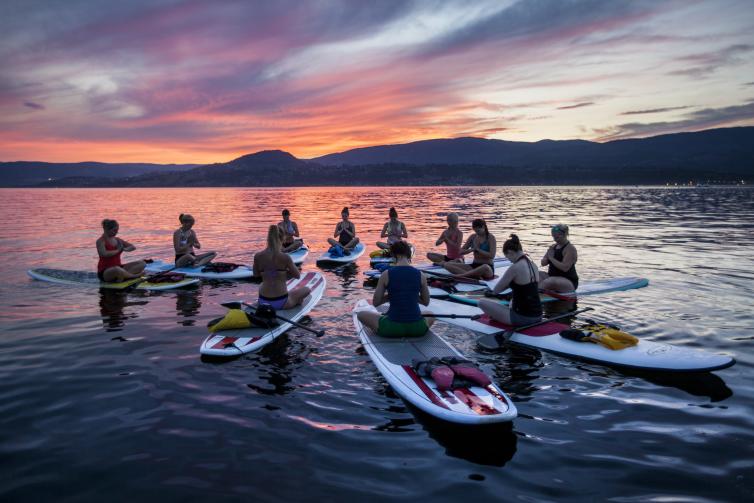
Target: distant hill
{"type": "Point", "coordinates": [714, 156]}
{"type": "Point", "coordinates": [30, 173]}
{"type": "Point", "coordinates": [716, 148]}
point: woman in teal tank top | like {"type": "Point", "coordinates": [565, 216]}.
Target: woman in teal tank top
{"type": "Point", "coordinates": [405, 287]}
{"type": "Point", "coordinates": [482, 244]}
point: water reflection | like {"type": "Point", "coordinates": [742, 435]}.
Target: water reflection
{"type": "Point", "coordinates": [112, 308]}
{"type": "Point", "coordinates": [187, 305]}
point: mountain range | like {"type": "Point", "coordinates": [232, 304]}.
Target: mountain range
{"type": "Point", "coordinates": [723, 155]}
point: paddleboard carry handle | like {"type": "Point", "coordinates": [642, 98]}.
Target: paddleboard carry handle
{"type": "Point", "coordinates": [238, 304]}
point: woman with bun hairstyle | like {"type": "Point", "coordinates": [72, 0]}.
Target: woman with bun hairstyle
{"type": "Point", "coordinates": [184, 242]}
{"type": "Point", "coordinates": [561, 258]}
{"type": "Point", "coordinates": [394, 230]}
{"type": "Point", "coordinates": [345, 231]}
{"type": "Point", "coordinates": [482, 244]}
{"type": "Point", "coordinates": [110, 248]}
{"type": "Point", "coordinates": [523, 279]}
{"type": "Point", "coordinates": [275, 267]}
{"type": "Point", "coordinates": [405, 287]}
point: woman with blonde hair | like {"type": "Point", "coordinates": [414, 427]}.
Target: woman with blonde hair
{"type": "Point", "coordinates": [184, 242]}
{"type": "Point", "coordinates": [275, 267]}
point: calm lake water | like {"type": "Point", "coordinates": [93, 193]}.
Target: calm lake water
{"type": "Point", "coordinates": [103, 395]}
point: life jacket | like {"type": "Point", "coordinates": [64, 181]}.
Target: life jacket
{"type": "Point", "coordinates": [604, 334]}
{"type": "Point", "coordinates": [451, 372]}
{"type": "Point", "coordinates": [220, 267]}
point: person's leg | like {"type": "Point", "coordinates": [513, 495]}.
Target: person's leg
{"type": "Point", "coordinates": [369, 319]}
{"type": "Point", "coordinates": [456, 268]}
{"type": "Point", "coordinates": [295, 245]}
{"type": "Point", "coordinates": [186, 260]}
{"type": "Point", "coordinates": [382, 245]}
{"type": "Point", "coordinates": [557, 284]}
{"type": "Point", "coordinates": [204, 259]}
{"type": "Point", "coordinates": [495, 310]}
{"type": "Point", "coordinates": [136, 267]}
{"type": "Point", "coordinates": [333, 242]}
{"type": "Point", "coordinates": [436, 258]}
{"type": "Point", "coordinates": [296, 297]}
{"type": "Point", "coordinates": [117, 275]}
{"type": "Point", "coordinates": [483, 272]}
{"type": "Point", "coordinates": [352, 244]}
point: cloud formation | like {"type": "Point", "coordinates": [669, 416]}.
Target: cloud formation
{"type": "Point", "coordinates": [201, 81]}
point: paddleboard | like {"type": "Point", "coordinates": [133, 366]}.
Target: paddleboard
{"type": "Point", "coordinates": [389, 259]}
{"type": "Point", "coordinates": [230, 343]}
{"type": "Point", "coordinates": [86, 278]}
{"type": "Point", "coordinates": [647, 355]}
{"type": "Point", "coordinates": [588, 287]}
{"type": "Point", "coordinates": [328, 259]}
{"type": "Point", "coordinates": [393, 358]}
{"type": "Point", "coordinates": [375, 273]}
{"type": "Point", "coordinates": [472, 286]}
{"type": "Point", "coordinates": [240, 272]}
{"type": "Point", "coordinates": [299, 255]}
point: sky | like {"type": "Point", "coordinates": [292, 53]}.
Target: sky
{"type": "Point", "coordinates": [190, 81]}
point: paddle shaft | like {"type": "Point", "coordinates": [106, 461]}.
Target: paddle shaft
{"type": "Point", "coordinates": [445, 277]}
{"type": "Point", "coordinates": [507, 333]}
{"type": "Point", "coordinates": [319, 333]}
{"type": "Point", "coordinates": [147, 278]}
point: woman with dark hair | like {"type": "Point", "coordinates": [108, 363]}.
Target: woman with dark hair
{"type": "Point", "coordinates": [561, 258]}
{"type": "Point", "coordinates": [523, 279]}
{"type": "Point", "coordinates": [394, 230]}
{"type": "Point", "coordinates": [405, 287]}
{"type": "Point", "coordinates": [482, 244]}
{"type": "Point", "coordinates": [289, 235]}
{"type": "Point", "coordinates": [109, 248]}
{"type": "Point", "coordinates": [275, 267]}
{"type": "Point", "coordinates": [184, 242]}
{"type": "Point", "coordinates": [345, 231]}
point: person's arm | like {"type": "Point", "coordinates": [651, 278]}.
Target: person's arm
{"type": "Point", "coordinates": [295, 230]}
{"type": "Point", "coordinates": [293, 271]}
{"type": "Point", "coordinates": [492, 242]}
{"type": "Point", "coordinates": [383, 234]}
{"type": "Point", "coordinates": [424, 292]}
{"type": "Point", "coordinates": [468, 246]}
{"type": "Point", "coordinates": [441, 239]}
{"type": "Point", "coordinates": [196, 240]}
{"type": "Point", "coordinates": [126, 246]}
{"type": "Point", "coordinates": [404, 232]}
{"type": "Point", "coordinates": [337, 230]}
{"type": "Point", "coordinates": [505, 281]}
{"type": "Point", "coordinates": [104, 252]}
{"type": "Point", "coordinates": [569, 258]}
{"type": "Point", "coordinates": [254, 269]}
{"type": "Point", "coordinates": [180, 249]}
{"type": "Point", "coordinates": [352, 232]}
{"type": "Point", "coordinates": [380, 292]}
{"type": "Point", "coordinates": [548, 254]}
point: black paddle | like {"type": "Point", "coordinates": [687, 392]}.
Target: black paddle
{"type": "Point", "coordinates": [470, 281]}
{"type": "Point", "coordinates": [496, 340]}
{"type": "Point", "coordinates": [148, 278]}
{"type": "Point", "coordinates": [238, 305]}
{"type": "Point", "coordinates": [454, 316]}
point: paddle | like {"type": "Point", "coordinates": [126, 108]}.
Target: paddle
{"type": "Point", "coordinates": [148, 278]}
{"type": "Point", "coordinates": [454, 316]}
{"type": "Point", "coordinates": [496, 340]}
{"type": "Point", "coordinates": [445, 277]}
{"type": "Point", "coordinates": [238, 305]}
{"type": "Point", "coordinates": [549, 293]}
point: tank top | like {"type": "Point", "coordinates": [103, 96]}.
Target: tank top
{"type": "Point", "coordinates": [570, 274]}
{"type": "Point", "coordinates": [454, 250]}
{"type": "Point", "coordinates": [108, 262]}
{"type": "Point", "coordinates": [403, 288]}
{"type": "Point", "coordinates": [344, 238]}
{"type": "Point", "coordinates": [394, 233]}
{"type": "Point", "coordinates": [526, 297]}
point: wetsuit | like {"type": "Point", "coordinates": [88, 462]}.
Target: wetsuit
{"type": "Point", "coordinates": [570, 274]}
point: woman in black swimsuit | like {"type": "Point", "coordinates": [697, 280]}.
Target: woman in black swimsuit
{"type": "Point", "coordinates": [561, 258]}
{"type": "Point", "coordinates": [345, 231]}
{"type": "Point", "coordinates": [522, 278]}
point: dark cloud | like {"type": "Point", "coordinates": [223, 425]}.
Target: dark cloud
{"type": "Point", "coordinates": [577, 105]}
{"type": "Point", "coordinates": [35, 106]}
{"type": "Point", "coordinates": [695, 121]}
{"type": "Point", "coordinates": [704, 64]}
{"type": "Point", "coordinates": [654, 110]}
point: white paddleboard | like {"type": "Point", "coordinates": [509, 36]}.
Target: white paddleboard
{"type": "Point", "coordinates": [328, 259]}
{"type": "Point", "coordinates": [86, 278]}
{"type": "Point", "coordinates": [230, 343]}
{"type": "Point", "coordinates": [299, 255]}
{"type": "Point", "coordinates": [389, 259]}
{"type": "Point", "coordinates": [393, 357]}
{"type": "Point", "coordinates": [241, 272]}
{"type": "Point", "coordinates": [647, 355]}
{"type": "Point", "coordinates": [588, 287]}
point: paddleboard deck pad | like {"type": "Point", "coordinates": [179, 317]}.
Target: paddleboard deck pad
{"type": "Point", "coordinates": [646, 355]}
{"type": "Point", "coordinates": [231, 343]}
{"type": "Point", "coordinates": [393, 357]}
{"type": "Point", "coordinates": [328, 259]}
{"type": "Point", "coordinates": [87, 278]}
{"type": "Point", "coordinates": [588, 287]}
{"type": "Point", "coordinates": [240, 272]}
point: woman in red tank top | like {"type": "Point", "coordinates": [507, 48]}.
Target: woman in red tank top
{"type": "Point", "coordinates": [109, 268]}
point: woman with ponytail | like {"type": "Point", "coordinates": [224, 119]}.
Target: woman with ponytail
{"type": "Point", "coordinates": [482, 244]}
{"type": "Point", "coordinates": [275, 267]}
{"type": "Point", "coordinates": [109, 248]}
{"type": "Point", "coordinates": [184, 242]}
{"type": "Point", "coordinates": [523, 279]}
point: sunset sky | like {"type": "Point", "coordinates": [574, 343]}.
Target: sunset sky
{"type": "Point", "coordinates": [208, 81]}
